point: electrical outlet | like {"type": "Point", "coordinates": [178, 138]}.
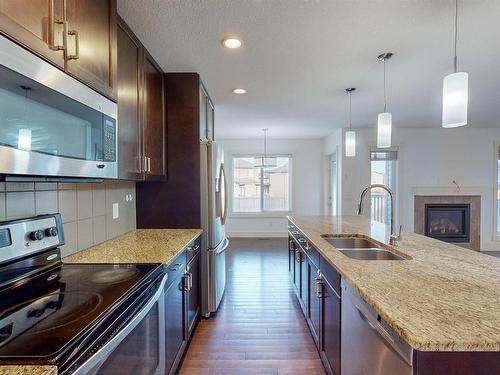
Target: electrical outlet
{"type": "Point", "coordinates": [116, 210]}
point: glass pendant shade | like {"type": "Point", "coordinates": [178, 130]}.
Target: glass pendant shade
{"type": "Point", "coordinates": [350, 143]}
{"type": "Point", "coordinates": [455, 99]}
{"type": "Point", "coordinates": [384, 130]}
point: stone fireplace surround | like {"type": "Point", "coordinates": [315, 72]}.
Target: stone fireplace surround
{"type": "Point", "coordinates": [475, 214]}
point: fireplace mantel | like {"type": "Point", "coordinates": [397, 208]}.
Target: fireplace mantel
{"type": "Point", "coordinates": [450, 190]}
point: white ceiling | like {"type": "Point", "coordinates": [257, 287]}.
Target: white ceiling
{"type": "Point", "coordinates": [298, 56]}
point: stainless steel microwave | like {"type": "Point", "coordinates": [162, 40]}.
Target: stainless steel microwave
{"type": "Point", "coordinates": [52, 125]}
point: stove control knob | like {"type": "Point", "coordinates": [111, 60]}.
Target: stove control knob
{"type": "Point", "coordinates": [51, 232]}
{"type": "Point", "coordinates": [36, 235]}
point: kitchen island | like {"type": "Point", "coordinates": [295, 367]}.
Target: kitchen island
{"type": "Point", "coordinates": [441, 299]}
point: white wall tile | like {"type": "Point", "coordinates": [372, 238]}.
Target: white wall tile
{"type": "Point", "coordinates": [2, 205]}
{"type": "Point", "coordinates": [85, 234]}
{"type": "Point", "coordinates": [46, 202]}
{"type": "Point", "coordinates": [19, 186]}
{"type": "Point", "coordinates": [45, 185]}
{"type": "Point", "coordinates": [71, 239]}
{"type": "Point", "coordinates": [84, 200]}
{"type": "Point", "coordinates": [99, 226]}
{"type": "Point", "coordinates": [99, 199]}
{"type": "Point", "coordinates": [19, 204]}
{"type": "Point", "coordinates": [67, 205]}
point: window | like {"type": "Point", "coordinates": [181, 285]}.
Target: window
{"type": "Point", "coordinates": [260, 186]}
{"type": "Point", "coordinates": [383, 171]}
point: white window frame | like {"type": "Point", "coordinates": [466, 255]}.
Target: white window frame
{"type": "Point", "coordinates": [395, 188]}
{"type": "Point", "coordinates": [270, 214]}
{"type": "Point", "coordinates": [496, 233]}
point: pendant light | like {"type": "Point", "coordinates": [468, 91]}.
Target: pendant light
{"type": "Point", "coordinates": [264, 161]}
{"type": "Point", "coordinates": [384, 123]}
{"type": "Point", "coordinates": [455, 91]}
{"type": "Point", "coordinates": [350, 135]}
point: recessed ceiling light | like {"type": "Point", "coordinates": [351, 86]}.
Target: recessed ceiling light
{"type": "Point", "coordinates": [231, 43]}
{"type": "Point", "coordinates": [239, 91]}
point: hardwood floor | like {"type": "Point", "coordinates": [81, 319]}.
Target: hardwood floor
{"type": "Point", "coordinates": [259, 328]}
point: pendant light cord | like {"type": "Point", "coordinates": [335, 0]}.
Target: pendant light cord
{"type": "Point", "coordinates": [385, 96]}
{"type": "Point", "coordinates": [456, 36]}
{"type": "Point", "coordinates": [350, 111]}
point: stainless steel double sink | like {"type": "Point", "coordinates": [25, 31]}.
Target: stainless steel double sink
{"type": "Point", "coordinates": [361, 248]}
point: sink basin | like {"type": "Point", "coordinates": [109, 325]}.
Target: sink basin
{"type": "Point", "coordinates": [351, 243]}
{"type": "Point", "coordinates": [361, 248]}
{"type": "Point", "coordinates": [370, 254]}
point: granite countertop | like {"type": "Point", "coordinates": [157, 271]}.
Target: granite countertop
{"type": "Point", "coordinates": [442, 298]}
{"type": "Point", "coordinates": [27, 370]}
{"type": "Point", "coordinates": [138, 246]}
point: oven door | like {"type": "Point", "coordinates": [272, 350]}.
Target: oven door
{"type": "Point", "coordinates": [139, 348]}
{"type": "Point", "coordinates": [52, 124]}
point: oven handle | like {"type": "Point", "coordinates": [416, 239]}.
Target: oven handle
{"type": "Point", "coordinates": [102, 354]}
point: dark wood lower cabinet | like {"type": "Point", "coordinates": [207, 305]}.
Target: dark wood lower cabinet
{"type": "Point", "coordinates": [182, 304]}
{"type": "Point", "coordinates": [175, 332]}
{"type": "Point", "coordinates": [330, 328]}
{"type": "Point", "coordinates": [314, 305]}
{"type": "Point", "coordinates": [193, 293]}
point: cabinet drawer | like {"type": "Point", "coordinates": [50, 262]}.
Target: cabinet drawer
{"type": "Point", "coordinates": [193, 248]}
{"type": "Point", "coordinates": [330, 274]}
{"type": "Point", "coordinates": [176, 268]}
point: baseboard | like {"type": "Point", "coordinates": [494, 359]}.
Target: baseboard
{"type": "Point", "coordinates": [256, 234]}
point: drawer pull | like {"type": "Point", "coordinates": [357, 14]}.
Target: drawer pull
{"type": "Point", "coordinates": [176, 267]}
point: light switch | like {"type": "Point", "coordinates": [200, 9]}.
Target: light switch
{"type": "Point", "coordinates": [116, 210]}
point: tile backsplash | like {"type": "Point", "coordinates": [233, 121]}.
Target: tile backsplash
{"type": "Point", "coordinates": [86, 209]}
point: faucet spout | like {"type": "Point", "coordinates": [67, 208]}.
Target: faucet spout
{"type": "Point", "coordinates": [393, 239]}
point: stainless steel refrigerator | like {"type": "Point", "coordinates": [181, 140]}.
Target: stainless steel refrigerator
{"type": "Point", "coordinates": [213, 217]}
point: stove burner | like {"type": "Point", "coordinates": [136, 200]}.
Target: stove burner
{"type": "Point", "coordinates": [55, 310]}
{"type": "Point", "coordinates": [115, 275]}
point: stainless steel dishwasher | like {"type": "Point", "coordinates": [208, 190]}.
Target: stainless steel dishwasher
{"type": "Point", "coordinates": [369, 345]}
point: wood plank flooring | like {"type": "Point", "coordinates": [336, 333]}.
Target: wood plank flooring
{"type": "Point", "coordinates": [259, 328]}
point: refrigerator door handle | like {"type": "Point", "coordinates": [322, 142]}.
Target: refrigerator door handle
{"type": "Point", "coordinates": [226, 194]}
{"type": "Point", "coordinates": [223, 248]}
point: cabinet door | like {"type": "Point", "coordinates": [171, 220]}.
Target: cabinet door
{"type": "Point", "coordinates": [330, 332]}
{"type": "Point", "coordinates": [174, 324]}
{"type": "Point", "coordinates": [36, 24]}
{"type": "Point", "coordinates": [128, 90]}
{"type": "Point", "coordinates": [193, 302]}
{"type": "Point", "coordinates": [291, 260]}
{"type": "Point", "coordinates": [91, 49]}
{"type": "Point", "coordinates": [313, 308]}
{"type": "Point", "coordinates": [297, 270]}
{"type": "Point", "coordinates": [203, 113]}
{"type": "Point", "coordinates": [304, 286]}
{"type": "Point", "coordinates": [153, 119]}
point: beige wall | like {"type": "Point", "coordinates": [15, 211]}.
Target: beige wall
{"type": "Point", "coordinates": [86, 209]}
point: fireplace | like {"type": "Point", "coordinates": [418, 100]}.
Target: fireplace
{"type": "Point", "coordinates": [448, 222]}
{"type": "Point", "coordinates": [449, 218]}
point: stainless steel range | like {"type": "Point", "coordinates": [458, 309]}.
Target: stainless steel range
{"type": "Point", "coordinates": [82, 318]}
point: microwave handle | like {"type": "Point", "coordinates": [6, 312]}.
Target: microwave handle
{"type": "Point", "coordinates": [107, 349]}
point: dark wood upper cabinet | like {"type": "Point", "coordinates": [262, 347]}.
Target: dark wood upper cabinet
{"type": "Point", "coordinates": [88, 48]}
{"type": "Point", "coordinates": [36, 24]}
{"type": "Point", "coordinates": [141, 115]}
{"type": "Point", "coordinates": [153, 119]}
{"type": "Point", "coordinates": [91, 50]}
{"type": "Point", "coordinates": [129, 104]}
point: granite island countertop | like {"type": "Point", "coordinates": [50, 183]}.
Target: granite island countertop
{"type": "Point", "coordinates": [27, 370]}
{"type": "Point", "coordinates": [442, 298]}
{"type": "Point", "coordinates": [138, 246]}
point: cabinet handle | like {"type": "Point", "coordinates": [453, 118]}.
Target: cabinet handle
{"type": "Point", "coordinates": [190, 280]}
{"type": "Point", "coordinates": [149, 164]}
{"type": "Point", "coordinates": [176, 267]}
{"type": "Point", "coordinates": [295, 232]}
{"type": "Point", "coordinates": [76, 56]}
{"type": "Point", "coordinates": [52, 22]}
{"type": "Point", "coordinates": [317, 285]}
